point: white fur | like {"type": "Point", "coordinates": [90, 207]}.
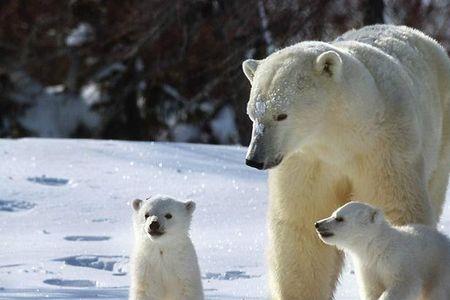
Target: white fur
{"type": "Point", "coordinates": [392, 262]}
{"type": "Point", "coordinates": [164, 267]}
{"type": "Point", "coordinates": [368, 116]}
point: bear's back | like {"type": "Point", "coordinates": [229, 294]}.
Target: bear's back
{"type": "Point", "coordinates": [394, 40]}
{"type": "Point", "coordinates": [412, 72]}
{"type": "Point", "coordinates": [417, 52]}
{"type": "Point", "coordinates": [429, 247]}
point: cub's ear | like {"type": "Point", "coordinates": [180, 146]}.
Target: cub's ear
{"type": "Point", "coordinates": [376, 216]}
{"type": "Point", "coordinates": [329, 63]}
{"type": "Point", "coordinates": [249, 67]}
{"type": "Point", "coordinates": [137, 203]}
{"type": "Point", "coordinates": [190, 206]}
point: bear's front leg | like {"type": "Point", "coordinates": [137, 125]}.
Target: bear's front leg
{"type": "Point", "coordinates": [142, 285]}
{"type": "Point", "coordinates": [300, 265]}
{"type": "Point", "coordinates": [191, 289]}
{"type": "Point", "coordinates": [370, 288]}
{"type": "Point", "coordinates": [137, 293]}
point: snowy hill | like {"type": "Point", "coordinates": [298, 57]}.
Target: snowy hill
{"type": "Point", "coordinates": [66, 221]}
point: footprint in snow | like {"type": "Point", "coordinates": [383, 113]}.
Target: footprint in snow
{"type": "Point", "coordinates": [10, 266]}
{"type": "Point", "coordinates": [116, 264]}
{"type": "Point", "coordinates": [51, 181]}
{"type": "Point", "coordinates": [228, 275]}
{"type": "Point", "coordinates": [71, 283]}
{"type": "Point", "coordinates": [86, 238]}
{"type": "Point", "coordinates": [14, 206]}
{"type": "Point", "coordinates": [100, 220]}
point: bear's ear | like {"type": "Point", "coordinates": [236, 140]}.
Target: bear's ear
{"type": "Point", "coordinates": [329, 63]}
{"type": "Point", "coordinates": [190, 206]}
{"type": "Point", "coordinates": [137, 204]}
{"type": "Point", "coordinates": [249, 67]}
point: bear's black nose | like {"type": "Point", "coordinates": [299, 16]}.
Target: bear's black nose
{"type": "Point", "coordinates": [254, 164]}
{"type": "Point", "coordinates": [317, 224]}
{"type": "Point", "coordinates": [154, 225]}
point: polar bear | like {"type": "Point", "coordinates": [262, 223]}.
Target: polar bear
{"type": "Point", "coordinates": [392, 263]}
{"type": "Point", "coordinates": [164, 262]}
{"type": "Point", "coordinates": [368, 116]}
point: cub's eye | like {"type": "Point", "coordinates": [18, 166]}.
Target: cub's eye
{"type": "Point", "coordinates": [168, 216]}
{"type": "Point", "coordinates": [147, 215]}
{"type": "Point", "coordinates": [281, 117]}
{"type": "Point", "coordinates": [339, 219]}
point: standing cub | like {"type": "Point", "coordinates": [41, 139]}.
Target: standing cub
{"type": "Point", "coordinates": [392, 263]}
{"type": "Point", "coordinates": [164, 263]}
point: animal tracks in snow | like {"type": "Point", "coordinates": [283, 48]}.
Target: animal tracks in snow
{"type": "Point", "coordinates": [71, 283]}
{"type": "Point", "coordinates": [55, 292]}
{"type": "Point", "coordinates": [86, 238]}
{"type": "Point", "coordinates": [15, 206]}
{"type": "Point", "coordinates": [228, 275]}
{"type": "Point", "coordinates": [116, 264]}
{"type": "Point", "coordinates": [50, 181]}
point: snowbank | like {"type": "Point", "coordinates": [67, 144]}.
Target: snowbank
{"type": "Point", "coordinates": [66, 221]}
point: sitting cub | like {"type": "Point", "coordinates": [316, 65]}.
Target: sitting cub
{"type": "Point", "coordinates": [164, 263]}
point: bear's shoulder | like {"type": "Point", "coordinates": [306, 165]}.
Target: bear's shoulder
{"type": "Point", "coordinates": [373, 34]}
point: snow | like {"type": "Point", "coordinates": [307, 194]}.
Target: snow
{"type": "Point", "coordinates": [54, 89]}
{"type": "Point", "coordinates": [260, 108]}
{"type": "Point", "coordinates": [184, 132]}
{"type": "Point", "coordinates": [58, 115]}
{"type": "Point", "coordinates": [51, 112]}
{"type": "Point", "coordinates": [91, 93]}
{"type": "Point", "coordinates": [65, 219]}
{"type": "Point", "coordinates": [259, 128]}
{"type": "Point", "coordinates": [80, 35]}
{"type": "Point", "coordinates": [173, 92]}
{"type": "Point", "coordinates": [224, 126]}
{"type": "Point", "coordinates": [109, 71]}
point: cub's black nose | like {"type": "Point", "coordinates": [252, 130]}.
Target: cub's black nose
{"type": "Point", "coordinates": [154, 225]}
{"type": "Point", "coordinates": [317, 224]}
{"type": "Point", "coordinates": [254, 164]}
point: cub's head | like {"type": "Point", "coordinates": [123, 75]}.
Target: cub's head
{"type": "Point", "coordinates": [291, 92]}
{"type": "Point", "coordinates": [350, 225]}
{"type": "Point", "coordinates": [161, 218]}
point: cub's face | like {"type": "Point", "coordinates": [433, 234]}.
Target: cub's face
{"type": "Point", "coordinates": [349, 225]}
{"type": "Point", "coordinates": [162, 218]}
{"type": "Point", "coordinates": [290, 94]}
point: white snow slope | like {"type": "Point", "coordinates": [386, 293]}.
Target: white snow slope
{"type": "Point", "coordinates": [65, 229]}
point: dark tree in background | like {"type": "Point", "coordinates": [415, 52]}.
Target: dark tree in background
{"type": "Point", "coordinates": [373, 12]}
{"type": "Point", "coordinates": [162, 69]}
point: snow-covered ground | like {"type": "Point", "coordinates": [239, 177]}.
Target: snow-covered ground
{"type": "Point", "coordinates": [65, 229]}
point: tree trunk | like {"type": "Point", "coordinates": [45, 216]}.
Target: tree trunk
{"type": "Point", "coordinates": [373, 12]}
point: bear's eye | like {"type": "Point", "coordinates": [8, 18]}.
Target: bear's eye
{"type": "Point", "coordinates": [281, 117]}
{"type": "Point", "coordinates": [168, 216]}
{"type": "Point", "coordinates": [147, 215]}
{"type": "Point", "coordinates": [339, 219]}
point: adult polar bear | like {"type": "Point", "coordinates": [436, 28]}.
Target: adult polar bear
{"type": "Point", "coordinates": [368, 116]}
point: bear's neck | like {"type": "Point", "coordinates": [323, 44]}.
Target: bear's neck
{"type": "Point", "coordinates": [177, 243]}
{"type": "Point", "coordinates": [343, 143]}
{"type": "Point", "coordinates": [370, 247]}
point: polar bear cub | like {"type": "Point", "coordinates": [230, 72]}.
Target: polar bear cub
{"type": "Point", "coordinates": [395, 263]}
{"type": "Point", "coordinates": [164, 262]}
